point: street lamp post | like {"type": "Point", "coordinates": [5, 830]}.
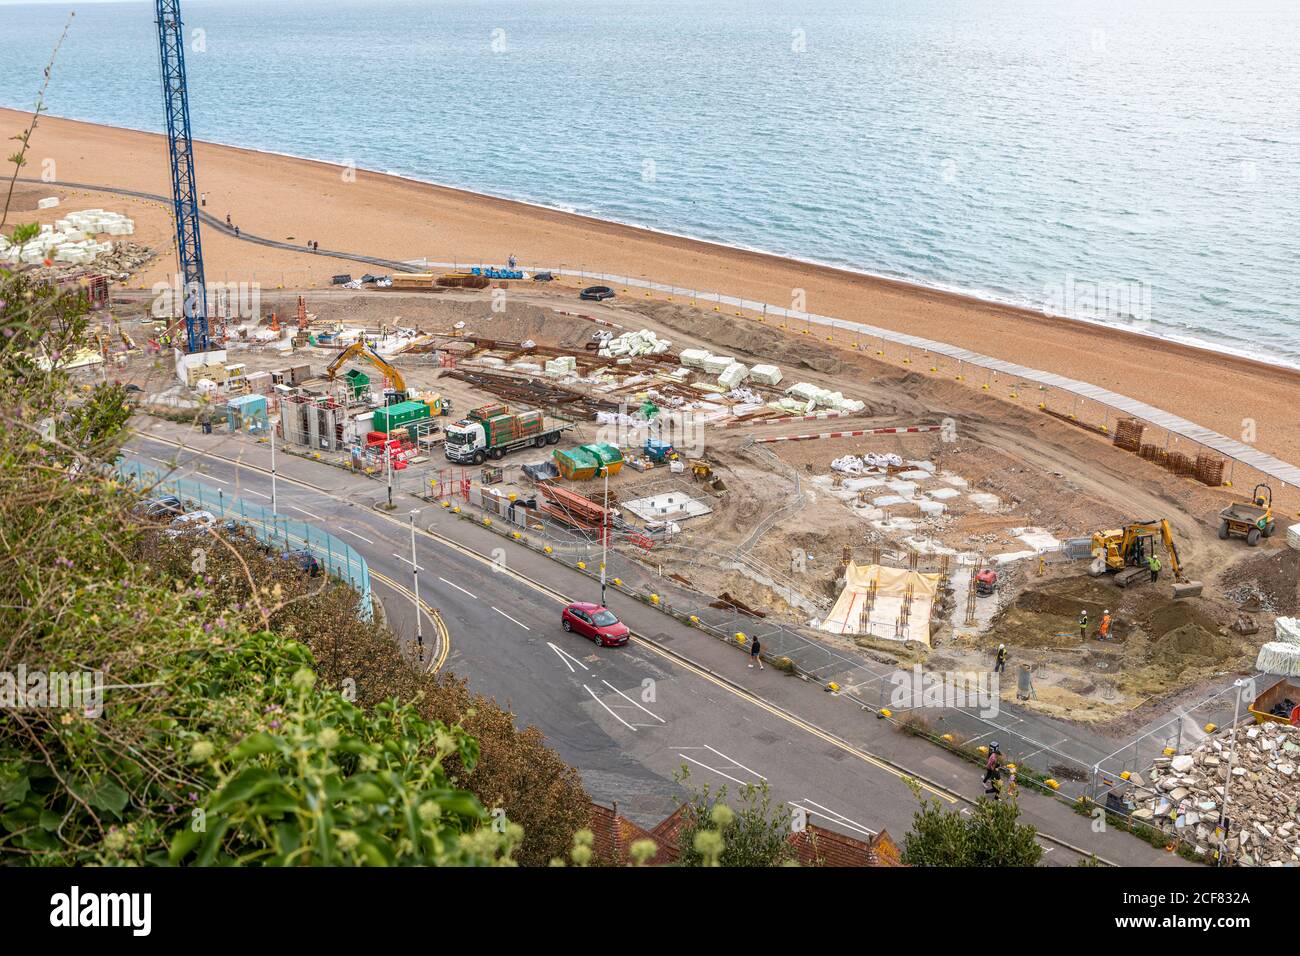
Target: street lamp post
{"type": "Point", "coordinates": [388, 468]}
{"type": "Point", "coordinates": [1241, 686]}
{"type": "Point", "coordinates": [274, 426]}
{"type": "Point", "coordinates": [604, 537]}
{"type": "Point", "coordinates": [415, 580]}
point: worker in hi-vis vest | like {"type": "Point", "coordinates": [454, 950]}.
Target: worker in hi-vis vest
{"type": "Point", "coordinates": [1153, 565]}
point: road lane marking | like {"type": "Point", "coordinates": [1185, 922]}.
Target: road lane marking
{"type": "Point", "coordinates": [509, 618]}
{"type": "Point", "coordinates": [354, 534]}
{"type": "Point", "coordinates": [207, 477]}
{"type": "Point", "coordinates": [631, 701]}
{"type": "Point", "coordinates": [307, 513]}
{"type": "Point", "coordinates": [250, 491]}
{"type": "Point", "coordinates": [736, 762]}
{"type": "Point", "coordinates": [607, 707]}
{"type": "Point", "coordinates": [459, 588]}
{"type": "Point", "coordinates": [835, 817]}
{"type": "Point", "coordinates": [743, 783]}
{"type": "Point", "coordinates": [566, 657]}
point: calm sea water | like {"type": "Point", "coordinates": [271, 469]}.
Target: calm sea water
{"type": "Point", "coordinates": [1136, 163]}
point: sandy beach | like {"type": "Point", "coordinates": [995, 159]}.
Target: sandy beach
{"type": "Point", "coordinates": [296, 200]}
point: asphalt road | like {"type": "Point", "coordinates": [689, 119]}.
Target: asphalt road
{"type": "Point", "coordinates": [628, 718]}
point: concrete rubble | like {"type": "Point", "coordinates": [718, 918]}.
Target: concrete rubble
{"type": "Point", "coordinates": [70, 240]}
{"type": "Point", "coordinates": [1186, 794]}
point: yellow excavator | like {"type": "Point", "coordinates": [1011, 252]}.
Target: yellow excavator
{"type": "Point", "coordinates": [438, 405]}
{"type": "Point", "coordinates": [362, 349]}
{"type": "Point", "coordinates": [1125, 550]}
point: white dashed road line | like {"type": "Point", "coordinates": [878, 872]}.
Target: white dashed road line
{"type": "Point", "coordinates": [509, 618]}
{"type": "Point", "coordinates": [306, 512]}
{"type": "Point", "coordinates": [355, 535]}
{"type": "Point", "coordinates": [458, 588]}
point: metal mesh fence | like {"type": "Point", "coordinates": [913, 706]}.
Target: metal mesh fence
{"type": "Point", "coordinates": [337, 558]}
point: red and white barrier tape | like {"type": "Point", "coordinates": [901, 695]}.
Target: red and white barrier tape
{"type": "Point", "coordinates": [855, 434]}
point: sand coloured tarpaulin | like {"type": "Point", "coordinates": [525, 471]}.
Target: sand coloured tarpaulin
{"type": "Point", "coordinates": [891, 594]}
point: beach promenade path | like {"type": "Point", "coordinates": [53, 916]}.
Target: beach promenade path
{"type": "Point", "coordinates": [1232, 449]}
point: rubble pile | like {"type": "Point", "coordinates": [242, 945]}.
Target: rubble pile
{"type": "Point", "coordinates": [1264, 801]}
{"type": "Point", "coordinates": [70, 240]}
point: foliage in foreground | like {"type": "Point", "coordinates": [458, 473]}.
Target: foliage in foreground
{"type": "Point", "coordinates": [516, 774]}
{"type": "Point", "coordinates": [753, 834]}
{"type": "Point", "coordinates": [990, 836]}
{"type": "Point", "coordinates": [214, 745]}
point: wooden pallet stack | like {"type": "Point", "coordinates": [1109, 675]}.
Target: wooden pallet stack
{"type": "Point", "coordinates": [1209, 469]}
{"type": "Point", "coordinates": [1128, 434]}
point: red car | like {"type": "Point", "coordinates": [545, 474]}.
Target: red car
{"type": "Point", "coordinates": [596, 622]}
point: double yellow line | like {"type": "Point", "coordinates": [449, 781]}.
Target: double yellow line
{"type": "Point", "coordinates": [444, 638]}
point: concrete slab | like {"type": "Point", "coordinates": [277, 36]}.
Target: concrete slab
{"type": "Point", "coordinates": [942, 494]}
{"type": "Point", "coordinates": [676, 505]}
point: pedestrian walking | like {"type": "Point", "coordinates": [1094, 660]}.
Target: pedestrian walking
{"type": "Point", "coordinates": [1153, 565]}
{"type": "Point", "coordinates": [511, 260]}
{"type": "Point", "coordinates": [229, 224]}
{"type": "Point", "coordinates": [755, 649]}
{"type": "Point", "coordinates": [1103, 632]}
{"type": "Point", "coordinates": [1001, 664]}
{"type": "Point", "coordinates": [991, 771]}
{"type": "Point", "coordinates": [203, 199]}
{"type": "Point", "coordinates": [1083, 624]}
{"type": "Point", "coordinates": [236, 232]}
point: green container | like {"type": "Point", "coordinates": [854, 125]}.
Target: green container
{"type": "Point", "coordinates": [358, 382]}
{"type": "Point", "coordinates": [576, 464]}
{"type": "Point", "coordinates": [399, 415]}
{"type": "Point", "coordinates": [604, 451]}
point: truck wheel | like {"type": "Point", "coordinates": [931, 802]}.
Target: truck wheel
{"type": "Point", "coordinates": [1269, 529]}
{"type": "Point", "coordinates": [1223, 530]}
{"type": "Point", "coordinates": [539, 441]}
{"type": "Point", "coordinates": [1252, 537]}
{"type": "Point", "coordinates": [498, 454]}
{"type": "Point", "coordinates": [479, 457]}
{"type": "Point", "coordinates": [553, 438]}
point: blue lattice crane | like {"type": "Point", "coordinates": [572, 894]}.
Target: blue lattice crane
{"type": "Point", "coordinates": [171, 47]}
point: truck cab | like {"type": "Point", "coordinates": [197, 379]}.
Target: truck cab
{"type": "Point", "coordinates": [465, 441]}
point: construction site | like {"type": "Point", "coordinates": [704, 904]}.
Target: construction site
{"type": "Point", "coordinates": [905, 512]}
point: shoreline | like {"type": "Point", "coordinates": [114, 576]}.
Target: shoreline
{"type": "Point", "coordinates": [1168, 337]}
{"type": "Point", "coordinates": [399, 218]}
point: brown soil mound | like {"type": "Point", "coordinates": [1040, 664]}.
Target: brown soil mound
{"type": "Point", "coordinates": [1272, 577]}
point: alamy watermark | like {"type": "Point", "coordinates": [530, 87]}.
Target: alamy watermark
{"type": "Point", "coordinates": [226, 300]}
{"type": "Point", "coordinates": [24, 689]}
{"type": "Point", "coordinates": [1125, 300]}
{"type": "Point", "coordinates": [959, 689]}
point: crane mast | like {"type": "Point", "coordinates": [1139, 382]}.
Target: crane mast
{"type": "Point", "coordinates": [171, 47]}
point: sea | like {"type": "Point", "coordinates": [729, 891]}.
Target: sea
{"type": "Point", "coordinates": [1129, 162]}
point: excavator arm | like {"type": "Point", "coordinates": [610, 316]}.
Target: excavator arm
{"type": "Point", "coordinates": [1167, 536]}
{"type": "Point", "coordinates": [360, 349]}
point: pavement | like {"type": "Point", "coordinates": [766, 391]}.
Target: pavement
{"type": "Point", "coordinates": [630, 718]}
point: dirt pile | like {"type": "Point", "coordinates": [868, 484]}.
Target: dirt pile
{"type": "Point", "coordinates": [1269, 581]}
